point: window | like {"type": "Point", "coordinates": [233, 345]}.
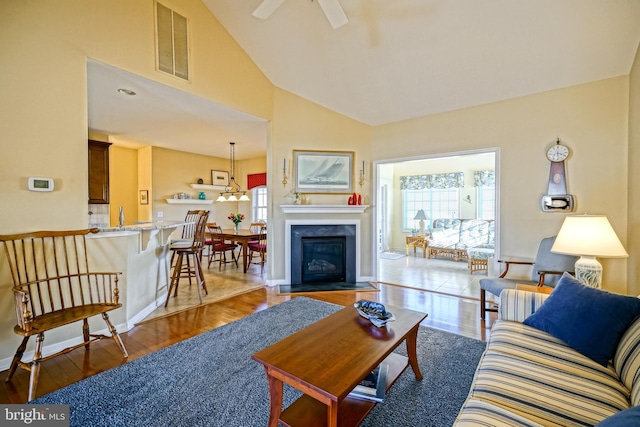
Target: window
{"type": "Point", "coordinates": [485, 183]}
{"type": "Point", "coordinates": [486, 203]}
{"type": "Point", "coordinates": [259, 204]}
{"type": "Point", "coordinates": [436, 202]}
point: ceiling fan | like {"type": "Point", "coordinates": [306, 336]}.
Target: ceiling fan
{"type": "Point", "coordinates": [331, 8]}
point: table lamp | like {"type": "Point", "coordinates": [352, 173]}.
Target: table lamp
{"type": "Point", "coordinates": [589, 236]}
{"type": "Point", "coordinates": [421, 216]}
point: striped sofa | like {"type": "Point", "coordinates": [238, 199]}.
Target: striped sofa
{"type": "Point", "coordinates": [526, 377]}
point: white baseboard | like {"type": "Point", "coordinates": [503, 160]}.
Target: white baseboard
{"type": "Point", "coordinates": [56, 347]}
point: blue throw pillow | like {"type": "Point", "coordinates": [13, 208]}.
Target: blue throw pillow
{"type": "Point", "coordinates": [626, 418]}
{"type": "Point", "coordinates": [589, 320]}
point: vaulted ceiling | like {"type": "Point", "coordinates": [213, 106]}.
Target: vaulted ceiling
{"type": "Point", "coordinates": [396, 60]}
{"type": "Point", "coordinates": [400, 59]}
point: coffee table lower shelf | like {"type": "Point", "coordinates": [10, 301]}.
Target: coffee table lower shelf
{"type": "Point", "coordinates": [308, 412]}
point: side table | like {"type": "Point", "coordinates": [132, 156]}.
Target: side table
{"type": "Point", "coordinates": [417, 242]}
{"type": "Point", "coordinates": [534, 288]}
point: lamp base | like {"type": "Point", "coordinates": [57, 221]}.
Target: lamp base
{"type": "Point", "coordinates": [589, 271]}
{"type": "Point", "coordinates": [421, 223]}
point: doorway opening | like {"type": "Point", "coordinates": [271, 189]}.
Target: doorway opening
{"type": "Point", "coordinates": [446, 186]}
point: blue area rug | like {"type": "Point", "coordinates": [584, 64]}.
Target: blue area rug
{"type": "Point", "coordinates": [211, 380]}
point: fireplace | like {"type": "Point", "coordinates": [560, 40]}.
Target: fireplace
{"type": "Point", "coordinates": [321, 253]}
{"type": "Point", "coordinates": [323, 259]}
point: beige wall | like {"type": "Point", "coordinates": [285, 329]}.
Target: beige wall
{"type": "Point", "coordinates": [591, 119]}
{"type": "Point", "coordinates": [123, 184]}
{"type": "Point", "coordinates": [145, 182]}
{"type": "Point", "coordinates": [301, 125]}
{"type": "Point", "coordinates": [633, 232]}
{"type": "Point", "coordinates": [45, 46]}
{"type": "Point", "coordinates": [174, 171]}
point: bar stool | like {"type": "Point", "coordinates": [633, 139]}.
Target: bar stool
{"type": "Point", "coordinates": [188, 231]}
{"type": "Point", "coordinates": [189, 259]}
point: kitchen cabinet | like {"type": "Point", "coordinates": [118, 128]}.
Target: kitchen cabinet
{"type": "Point", "coordinates": [98, 172]}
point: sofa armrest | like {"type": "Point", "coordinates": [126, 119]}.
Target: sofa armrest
{"type": "Point", "coordinates": [516, 305]}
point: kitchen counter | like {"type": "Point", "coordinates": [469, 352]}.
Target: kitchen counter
{"type": "Point", "coordinates": [146, 231]}
{"type": "Point", "coordinates": [141, 252]}
{"type": "Point", "coordinates": [146, 226]}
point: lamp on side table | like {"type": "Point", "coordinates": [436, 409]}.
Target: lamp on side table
{"type": "Point", "coordinates": [421, 216]}
{"type": "Point", "coordinates": [589, 236]}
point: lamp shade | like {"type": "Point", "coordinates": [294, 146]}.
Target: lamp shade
{"type": "Point", "coordinates": [420, 215]}
{"type": "Point", "coordinates": [589, 235]}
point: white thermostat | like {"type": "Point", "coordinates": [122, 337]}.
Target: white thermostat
{"type": "Point", "coordinates": [40, 184]}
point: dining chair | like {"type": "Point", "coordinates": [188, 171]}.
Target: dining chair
{"type": "Point", "coordinates": [220, 247]}
{"type": "Point", "coordinates": [189, 259]}
{"type": "Point", "coordinates": [258, 248]}
{"type": "Point", "coordinates": [255, 227]}
{"type": "Point", "coordinates": [208, 239]}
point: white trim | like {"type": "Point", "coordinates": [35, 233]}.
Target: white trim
{"type": "Point", "coordinates": [189, 201]}
{"type": "Point", "coordinates": [56, 347]}
{"type": "Point", "coordinates": [208, 187]}
{"type": "Point", "coordinates": [333, 209]}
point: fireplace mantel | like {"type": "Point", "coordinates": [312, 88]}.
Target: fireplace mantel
{"type": "Point", "coordinates": [328, 209]}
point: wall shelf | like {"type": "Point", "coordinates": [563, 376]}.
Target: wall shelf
{"type": "Point", "coordinates": [327, 209]}
{"type": "Point", "coordinates": [189, 201]}
{"type": "Point", "coordinates": [208, 187]}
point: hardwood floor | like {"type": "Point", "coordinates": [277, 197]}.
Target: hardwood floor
{"type": "Point", "coordinates": [453, 314]}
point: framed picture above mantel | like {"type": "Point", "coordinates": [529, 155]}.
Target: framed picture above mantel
{"type": "Point", "coordinates": [323, 171]}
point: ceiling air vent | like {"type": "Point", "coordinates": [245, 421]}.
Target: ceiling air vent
{"type": "Point", "coordinates": [172, 42]}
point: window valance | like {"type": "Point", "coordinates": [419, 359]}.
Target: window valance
{"type": "Point", "coordinates": [256, 179]}
{"type": "Point", "coordinates": [485, 178]}
{"type": "Point", "coordinates": [438, 180]}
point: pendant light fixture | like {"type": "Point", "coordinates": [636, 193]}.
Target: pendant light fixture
{"type": "Point", "coordinates": [233, 188]}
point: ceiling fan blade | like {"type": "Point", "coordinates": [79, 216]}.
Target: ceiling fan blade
{"type": "Point", "coordinates": [266, 8]}
{"type": "Point", "coordinates": [334, 12]}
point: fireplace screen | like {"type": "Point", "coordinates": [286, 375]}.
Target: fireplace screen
{"type": "Point", "coordinates": [323, 259]}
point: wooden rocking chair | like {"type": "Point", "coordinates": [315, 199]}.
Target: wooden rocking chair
{"type": "Point", "coordinates": [54, 287]}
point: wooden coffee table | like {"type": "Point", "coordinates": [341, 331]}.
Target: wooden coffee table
{"type": "Point", "coordinates": [327, 359]}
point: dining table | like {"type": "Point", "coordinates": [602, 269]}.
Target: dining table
{"type": "Point", "coordinates": [242, 236]}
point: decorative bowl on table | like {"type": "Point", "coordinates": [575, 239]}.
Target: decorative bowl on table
{"type": "Point", "coordinates": [374, 312]}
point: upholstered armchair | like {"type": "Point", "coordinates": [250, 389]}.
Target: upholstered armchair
{"type": "Point", "coordinates": [546, 271]}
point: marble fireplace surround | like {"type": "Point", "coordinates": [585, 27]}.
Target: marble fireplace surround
{"type": "Point", "coordinates": [355, 223]}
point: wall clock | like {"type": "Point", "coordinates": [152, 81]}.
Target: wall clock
{"type": "Point", "coordinates": [557, 198]}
